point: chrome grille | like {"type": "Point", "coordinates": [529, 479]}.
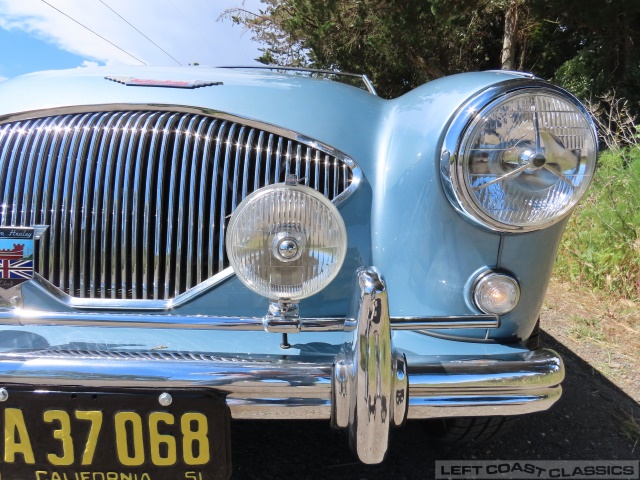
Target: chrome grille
{"type": "Point", "coordinates": [136, 202]}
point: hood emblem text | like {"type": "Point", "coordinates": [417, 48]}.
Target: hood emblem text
{"type": "Point", "coordinates": [151, 82]}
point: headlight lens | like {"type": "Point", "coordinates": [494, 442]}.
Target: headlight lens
{"type": "Point", "coordinates": [286, 242]}
{"type": "Point", "coordinates": [525, 160]}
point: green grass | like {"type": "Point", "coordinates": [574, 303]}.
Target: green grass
{"type": "Point", "coordinates": [585, 329]}
{"type": "Point", "coordinates": [630, 425]}
{"type": "Point", "coordinates": [601, 247]}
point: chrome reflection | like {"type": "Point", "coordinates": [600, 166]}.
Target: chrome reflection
{"type": "Point", "coordinates": [286, 387]}
{"type": "Point", "coordinates": [534, 158]}
{"type": "Point", "coordinates": [370, 382]}
{"type": "Point", "coordinates": [137, 197]}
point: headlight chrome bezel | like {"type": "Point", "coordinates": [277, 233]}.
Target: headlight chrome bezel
{"type": "Point", "coordinates": [452, 161]}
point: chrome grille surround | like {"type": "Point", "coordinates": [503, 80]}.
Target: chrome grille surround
{"type": "Point", "coordinates": [126, 192]}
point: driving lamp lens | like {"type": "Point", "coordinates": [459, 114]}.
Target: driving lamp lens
{"type": "Point", "coordinates": [286, 242]}
{"type": "Point", "coordinates": [496, 293]}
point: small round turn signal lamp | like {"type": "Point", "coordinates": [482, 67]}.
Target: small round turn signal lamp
{"type": "Point", "coordinates": [496, 293]}
{"type": "Point", "coordinates": [286, 241]}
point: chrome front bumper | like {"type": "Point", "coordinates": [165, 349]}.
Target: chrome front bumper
{"type": "Point", "coordinates": [367, 388]}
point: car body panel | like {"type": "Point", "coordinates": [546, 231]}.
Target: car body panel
{"type": "Point", "coordinates": [398, 218]}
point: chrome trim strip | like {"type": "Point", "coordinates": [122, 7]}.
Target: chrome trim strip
{"type": "Point", "coordinates": [428, 323]}
{"type": "Point", "coordinates": [367, 83]}
{"type": "Point", "coordinates": [23, 317]}
{"type": "Point", "coordinates": [203, 322]}
{"type": "Point", "coordinates": [397, 323]}
{"type": "Point", "coordinates": [282, 387]}
{"type": "Point", "coordinates": [124, 304]}
{"type": "Point", "coordinates": [121, 267]}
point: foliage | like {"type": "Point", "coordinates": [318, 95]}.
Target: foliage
{"type": "Point", "coordinates": [399, 44]}
{"type": "Point", "coordinates": [616, 124]}
{"type": "Point", "coordinates": [588, 46]}
{"type": "Point", "coordinates": [601, 247]}
{"type": "Point", "coordinates": [595, 42]}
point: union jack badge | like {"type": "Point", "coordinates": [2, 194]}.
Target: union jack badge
{"type": "Point", "coordinates": [16, 256]}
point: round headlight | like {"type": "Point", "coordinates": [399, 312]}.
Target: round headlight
{"type": "Point", "coordinates": [524, 160]}
{"type": "Point", "coordinates": [286, 242]}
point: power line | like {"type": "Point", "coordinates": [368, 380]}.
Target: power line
{"type": "Point", "coordinates": [132, 26]}
{"type": "Point", "coordinates": [175, 7]}
{"type": "Point", "coordinates": [97, 34]}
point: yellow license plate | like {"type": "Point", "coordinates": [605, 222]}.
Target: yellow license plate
{"type": "Point", "coordinates": [107, 435]}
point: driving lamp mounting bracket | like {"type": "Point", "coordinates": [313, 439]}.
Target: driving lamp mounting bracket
{"type": "Point", "coordinates": [282, 317]}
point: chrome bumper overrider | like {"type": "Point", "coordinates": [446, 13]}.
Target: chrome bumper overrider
{"type": "Point", "coordinates": [367, 388]}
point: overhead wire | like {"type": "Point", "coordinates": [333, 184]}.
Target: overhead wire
{"type": "Point", "coordinates": [177, 10]}
{"type": "Point", "coordinates": [96, 34]}
{"type": "Point", "coordinates": [132, 26]}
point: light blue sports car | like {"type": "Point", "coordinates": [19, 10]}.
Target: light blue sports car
{"type": "Point", "coordinates": [180, 247]}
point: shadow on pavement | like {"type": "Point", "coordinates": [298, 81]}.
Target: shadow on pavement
{"type": "Point", "coordinates": [585, 424]}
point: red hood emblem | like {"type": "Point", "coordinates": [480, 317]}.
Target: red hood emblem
{"type": "Point", "coordinates": [152, 82]}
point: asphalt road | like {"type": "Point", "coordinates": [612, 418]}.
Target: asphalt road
{"type": "Point", "coordinates": [584, 425]}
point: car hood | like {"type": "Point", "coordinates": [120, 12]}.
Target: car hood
{"type": "Point", "coordinates": [303, 105]}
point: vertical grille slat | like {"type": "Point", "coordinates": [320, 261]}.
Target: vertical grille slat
{"type": "Point", "coordinates": [128, 251]}
{"type": "Point", "coordinates": [154, 173]}
{"type": "Point", "coordinates": [47, 217]}
{"type": "Point", "coordinates": [316, 184]}
{"type": "Point", "coordinates": [236, 170]}
{"type": "Point", "coordinates": [268, 161]}
{"type": "Point", "coordinates": [88, 208]}
{"type": "Point", "coordinates": [193, 204]}
{"type": "Point", "coordinates": [118, 235]}
{"type": "Point", "coordinates": [54, 204]}
{"type": "Point", "coordinates": [205, 189]}
{"type": "Point", "coordinates": [298, 161]}
{"type": "Point", "coordinates": [259, 161]}
{"type": "Point", "coordinates": [32, 175]}
{"type": "Point", "coordinates": [248, 150]}
{"type": "Point", "coordinates": [98, 287]}
{"type": "Point", "coordinates": [211, 224]}
{"type": "Point", "coordinates": [9, 168]}
{"type": "Point", "coordinates": [136, 202]}
{"type": "Point", "coordinates": [172, 271]}
{"type": "Point", "coordinates": [72, 252]}
{"type": "Point", "coordinates": [22, 176]}
{"type": "Point", "coordinates": [183, 207]}
{"type": "Point", "coordinates": [111, 208]}
{"type": "Point", "coordinates": [138, 213]}
{"type": "Point", "coordinates": [224, 192]}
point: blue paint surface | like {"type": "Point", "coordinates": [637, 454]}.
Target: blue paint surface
{"type": "Point", "coordinates": [398, 220]}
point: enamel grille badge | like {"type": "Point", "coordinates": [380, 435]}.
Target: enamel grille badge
{"type": "Point", "coordinates": [16, 256]}
{"type": "Point", "coordinates": [150, 82]}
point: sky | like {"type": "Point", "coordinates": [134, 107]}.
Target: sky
{"type": "Point", "coordinates": [37, 35]}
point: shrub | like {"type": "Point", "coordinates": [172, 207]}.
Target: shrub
{"type": "Point", "coordinates": [601, 247]}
